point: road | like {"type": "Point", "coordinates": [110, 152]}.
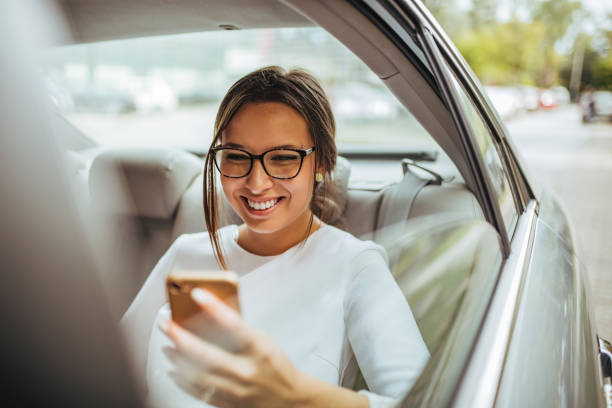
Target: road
{"type": "Point", "coordinates": [575, 162]}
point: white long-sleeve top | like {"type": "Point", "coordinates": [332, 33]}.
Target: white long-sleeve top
{"type": "Point", "coordinates": [331, 305]}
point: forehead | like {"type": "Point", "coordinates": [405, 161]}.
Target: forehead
{"type": "Point", "coordinates": [261, 126]}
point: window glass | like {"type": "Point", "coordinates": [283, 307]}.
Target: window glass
{"type": "Point", "coordinates": [493, 165]}
{"type": "Point", "coordinates": [164, 91]}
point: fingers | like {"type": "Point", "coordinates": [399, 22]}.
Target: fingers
{"type": "Point", "coordinates": [207, 355]}
{"type": "Point", "coordinates": [207, 392]}
{"type": "Point", "coordinates": [202, 384]}
{"type": "Point", "coordinates": [212, 306]}
{"type": "Point", "coordinates": [230, 325]}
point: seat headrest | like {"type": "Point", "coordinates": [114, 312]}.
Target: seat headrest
{"type": "Point", "coordinates": [142, 182]}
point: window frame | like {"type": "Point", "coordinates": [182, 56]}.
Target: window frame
{"type": "Point", "coordinates": [485, 192]}
{"type": "Point", "coordinates": [497, 148]}
{"type": "Point", "coordinates": [410, 22]}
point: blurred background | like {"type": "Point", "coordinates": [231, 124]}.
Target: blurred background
{"type": "Point", "coordinates": [534, 54]}
{"type": "Point", "coordinates": [547, 68]}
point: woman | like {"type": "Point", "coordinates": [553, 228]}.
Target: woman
{"type": "Point", "coordinates": [317, 303]}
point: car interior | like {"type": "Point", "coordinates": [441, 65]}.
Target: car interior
{"type": "Point", "coordinates": [155, 195]}
{"type": "Point", "coordinates": [147, 197]}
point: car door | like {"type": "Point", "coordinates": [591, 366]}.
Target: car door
{"type": "Point", "coordinates": [537, 346]}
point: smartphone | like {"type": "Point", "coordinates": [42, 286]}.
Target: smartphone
{"type": "Point", "coordinates": [223, 284]}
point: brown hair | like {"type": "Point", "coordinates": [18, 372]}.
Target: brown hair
{"type": "Point", "coordinates": [301, 91]}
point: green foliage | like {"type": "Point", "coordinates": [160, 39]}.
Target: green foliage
{"type": "Point", "coordinates": [504, 54]}
{"type": "Point", "coordinates": [556, 16]}
{"type": "Point", "coordinates": [596, 63]}
{"type": "Point", "coordinates": [522, 51]}
{"type": "Point", "coordinates": [603, 73]}
{"type": "Point", "coordinates": [602, 66]}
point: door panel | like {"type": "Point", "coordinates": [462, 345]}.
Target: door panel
{"type": "Point", "coordinates": [551, 360]}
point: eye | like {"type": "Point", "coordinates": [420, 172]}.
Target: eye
{"type": "Point", "coordinates": [286, 157]}
{"type": "Point", "coordinates": [236, 156]}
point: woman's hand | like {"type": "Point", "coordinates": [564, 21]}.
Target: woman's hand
{"type": "Point", "coordinates": [253, 372]}
{"type": "Point", "coordinates": [232, 365]}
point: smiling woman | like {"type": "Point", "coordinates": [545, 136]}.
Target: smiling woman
{"type": "Point", "coordinates": [325, 300]}
{"type": "Point", "coordinates": [270, 109]}
{"type": "Point", "coordinates": [271, 228]}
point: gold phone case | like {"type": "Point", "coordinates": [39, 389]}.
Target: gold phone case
{"type": "Point", "coordinates": [223, 284]}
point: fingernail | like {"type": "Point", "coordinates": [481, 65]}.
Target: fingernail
{"type": "Point", "coordinates": [163, 325]}
{"type": "Point", "coordinates": [200, 296]}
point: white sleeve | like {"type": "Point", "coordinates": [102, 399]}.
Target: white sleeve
{"type": "Point", "coordinates": [382, 331]}
{"type": "Point", "coordinates": [138, 320]}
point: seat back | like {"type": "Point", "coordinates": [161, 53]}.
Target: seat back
{"type": "Point", "coordinates": [363, 207]}
{"type": "Point", "coordinates": [136, 193]}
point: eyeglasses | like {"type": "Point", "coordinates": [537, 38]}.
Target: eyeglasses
{"type": "Point", "coordinates": [278, 163]}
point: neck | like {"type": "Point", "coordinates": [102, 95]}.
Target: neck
{"type": "Point", "coordinates": [277, 242]}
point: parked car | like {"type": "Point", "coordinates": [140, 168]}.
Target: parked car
{"type": "Point", "coordinates": [548, 99]}
{"type": "Point", "coordinates": [487, 261]}
{"type": "Point", "coordinates": [506, 100]}
{"type": "Point", "coordinates": [530, 97]}
{"type": "Point", "coordinates": [562, 94]}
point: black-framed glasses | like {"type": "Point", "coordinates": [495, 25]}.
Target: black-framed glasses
{"type": "Point", "coordinates": [278, 163]}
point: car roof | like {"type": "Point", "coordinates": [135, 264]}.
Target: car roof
{"type": "Point", "coordinates": [94, 20]}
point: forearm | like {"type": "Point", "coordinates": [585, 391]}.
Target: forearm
{"type": "Point", "coordinates": [316, 393]}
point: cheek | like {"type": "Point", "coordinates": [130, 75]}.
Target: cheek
{"type": "Point", "coordinates": [301, 188]}
{"type": "Point", "coordinates": [229, 186]}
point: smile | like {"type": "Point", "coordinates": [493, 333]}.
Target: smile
{"type": "Point", "coordinates": [262, 205]}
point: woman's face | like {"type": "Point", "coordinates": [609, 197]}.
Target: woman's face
{"type": "Point", "coordinates": [256, 128]}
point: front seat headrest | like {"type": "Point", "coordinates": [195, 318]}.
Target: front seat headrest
{"type": "Point", "coordinates": [142, 182]}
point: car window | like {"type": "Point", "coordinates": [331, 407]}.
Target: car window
{"type": "Point", "coordinates": [164, 91]}
{"type": "Point", "coordinates": [496, 171]}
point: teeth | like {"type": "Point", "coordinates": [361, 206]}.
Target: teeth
{"type": "Point", "coordinates": [263, 205]}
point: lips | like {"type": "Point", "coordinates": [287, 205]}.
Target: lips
{"type": "Point", "coordinates": [261, 206]}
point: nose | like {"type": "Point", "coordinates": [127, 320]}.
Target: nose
{"type": "Point", "coordinates": [258, 180]}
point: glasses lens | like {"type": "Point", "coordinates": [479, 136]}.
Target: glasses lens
{"type": "Point", "coordinates": [282, 163]}
{"type": "Point", "coordinates": [232, 163]}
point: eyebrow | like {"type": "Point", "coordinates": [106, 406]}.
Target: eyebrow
{"type": "Point", "coordinates": [239, 146]}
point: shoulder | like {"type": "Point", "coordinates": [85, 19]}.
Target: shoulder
{"type": "Point", "coordinates": [348, 247]}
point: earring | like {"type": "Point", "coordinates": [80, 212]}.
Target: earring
{"type": "Point", "coordinates": [318, 177]}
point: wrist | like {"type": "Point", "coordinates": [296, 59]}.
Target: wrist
{"type": "Point", "coordinates": [305, 390]}
{"type": "Point", "coordinates": [312, 392]}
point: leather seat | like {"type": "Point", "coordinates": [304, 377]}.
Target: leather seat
{"type": "Point", "coordinates": [136, 193]}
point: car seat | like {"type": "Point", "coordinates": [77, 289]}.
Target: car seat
{"type": "Point", "coordinates": [136, 192]}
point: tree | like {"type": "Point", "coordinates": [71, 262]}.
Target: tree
{"type": "Point", "coordinates": [504, 54]}
{"type": "Point", "coordinates": [482, 13]}
{"type": "Point", "coordinates": [556, 16]}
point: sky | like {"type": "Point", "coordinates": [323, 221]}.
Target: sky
{"type": "Point", "coordinates": [599, 6]}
